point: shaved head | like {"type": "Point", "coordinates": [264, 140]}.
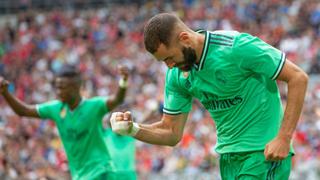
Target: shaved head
{"type": "Point", "coordinates": [161, 29]}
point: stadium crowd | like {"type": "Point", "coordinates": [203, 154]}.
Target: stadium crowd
{"type": "Point", "coordinates": [35, 44]}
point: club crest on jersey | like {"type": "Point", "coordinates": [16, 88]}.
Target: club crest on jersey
{"type": "Point", "coordinates": [185, 74]}
{"type": "Point", "coordinates": [63, 113]}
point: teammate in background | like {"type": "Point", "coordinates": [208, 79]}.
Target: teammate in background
{"type": "Point", "coordinates": [234, 76]}
{"type": "Point", "coordinates": [122, 151]}
{"type": "Point", "coordinates": [79, 121]}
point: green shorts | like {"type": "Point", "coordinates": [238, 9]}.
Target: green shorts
{"type": "Point", "coordinates": [253, 166]}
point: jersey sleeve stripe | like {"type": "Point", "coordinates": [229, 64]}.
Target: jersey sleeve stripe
{"type": "Point", "coordinates": [171, 112]}
{"type": "Point", "coordinates": [220, 40]}
{"type": "Point", "coordinates": [220, 43]}
{"type": "Point", "coordinates": [280, 66]}
{"type": "Point", "coordinates": [224, 36]}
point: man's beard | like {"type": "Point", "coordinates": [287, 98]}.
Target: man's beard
{"type": "Point", "coordinates": [190, 58]}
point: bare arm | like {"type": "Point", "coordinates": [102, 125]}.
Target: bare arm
{"type": "Point", "coordinates": [120, 95]}
{"type": "Point", "coordinates": [297, 81]}
{"type": "Point", "coordinates": [19, 107]}
{"type": "Point", "coordinates": [168, 131]}
{"type": "Point", "coordinates": [297, 85]}
{"type": "Point", "coordinates": [119, 98]}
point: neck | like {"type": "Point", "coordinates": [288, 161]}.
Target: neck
{"type": "Point", "coordinates": [200, 38]}
{"type": "Point", "coordinates": [74, 102]}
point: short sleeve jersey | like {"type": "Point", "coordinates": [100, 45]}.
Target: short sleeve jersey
{"type": "Point", "coordinates": [82, 135]}
{"type": "Point", "coordinates": [235, 82]}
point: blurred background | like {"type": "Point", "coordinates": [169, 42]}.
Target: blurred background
{"type": "Point", "coordinates": [38, 36]}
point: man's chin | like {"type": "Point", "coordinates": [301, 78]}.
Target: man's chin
{"type": "Point", "coordinates": [63, 100]}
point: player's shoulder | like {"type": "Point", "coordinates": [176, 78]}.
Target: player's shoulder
{"type": "Point", "coordinates": [172, 76]}
{"type": "Point", "coordinates": [229, 35]}
{"type": "Point", "coordinates": [225, 33]}
{"type": "Point", "coordinates": [94, 99]}
{"type": "Point", "coordinates": [53, 103]}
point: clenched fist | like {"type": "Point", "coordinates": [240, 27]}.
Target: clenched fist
{"type": "Point", "coordinates": [124, 72]}
{"type": "Point", "coordinates": [3, 85]}
{"type": "Point", "coordinates": [121, 123]}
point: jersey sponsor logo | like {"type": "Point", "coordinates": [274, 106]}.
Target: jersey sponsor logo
{"type": "Point", "coordinates": [212, 102]}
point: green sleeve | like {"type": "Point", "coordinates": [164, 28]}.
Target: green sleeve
{"type": "Point", "coordinates": [49, 109]}
{"type": "Point", "coordinates": [176, 100]}
{"type": "Point", "coordinates": [254, 55]}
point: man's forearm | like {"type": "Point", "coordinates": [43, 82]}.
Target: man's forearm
{"type": "Point", "coordinates": [17, 106]}
{"type": "Point", "coordinates": [157, 134]}
{"type": "Point", "coordinates": [168, 131]}
{"type": "Point", "coordinates": [296, 93]}
{"type": "Point", "coordinates": [121, 93]}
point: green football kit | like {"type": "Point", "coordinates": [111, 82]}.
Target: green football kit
{"type": "Point", "coordinates": [122, 152]}
{"type": "Point", "coordinates": [235, 81]}
{"type": "Point", "coordinates": [82, 136]}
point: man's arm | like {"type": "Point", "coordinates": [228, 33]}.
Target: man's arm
{"type": "Point", "coordinates": [168, 131]}
{"type": "Point", "coordinates": [19, 107]}
{"type": "Point", "coordinates": [297, 81]}
{"type": "Point", "coordinates": [120, 95]}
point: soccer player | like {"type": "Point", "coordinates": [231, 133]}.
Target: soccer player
{"type": "Point", "coordinates": [234, 76]}
{"type": "Point", "coordinates": [122, 151]}
{"type": "Point", "coordinates": [79, 121]}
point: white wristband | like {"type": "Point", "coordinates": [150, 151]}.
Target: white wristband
{"type": "Point", "coordinates": [135, 129]}
{"type": "Point", "coordinates": [123, 83]}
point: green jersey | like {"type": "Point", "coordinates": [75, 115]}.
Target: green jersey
{"type": "Point", "coordinates": [235, 82]}
{"type": "Point", "coordinates": [81, 132]}
{"type": "Point", "coordinates": [122, 150]}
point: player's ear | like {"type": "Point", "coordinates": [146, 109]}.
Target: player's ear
{"type": "Point", "coordinates": [184, 38]}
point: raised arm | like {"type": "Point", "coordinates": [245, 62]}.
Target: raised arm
{"type": "Point", "coordinates": [297, 81]}
{"type": "Point", "coordinates": [19, 107]}
{"type": "Point", "coordinates": [120, 95]}
{"type": "Point", "coordinates": [168, 131]}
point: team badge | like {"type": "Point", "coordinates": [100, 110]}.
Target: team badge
{"type": "Point", "coordinates": [185, 74]}
{"type": "Point", "coordinates": [63, 113]}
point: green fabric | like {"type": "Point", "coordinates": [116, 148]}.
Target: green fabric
{"type": "Point", "coordinates": [235, 82]}
{"type": "Point", "coordinates": [117, 176]}
{"type": "Point", "coordinates": [82, 135]}
{"type": "Point", "coordinates": [253, 166]}
{"type": "Point", "coordinates": [122, 151]}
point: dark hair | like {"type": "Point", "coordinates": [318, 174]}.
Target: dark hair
{"type": "Point", "coordinates": [68, 71]}
{"type": "Point", "coordinates": [159, 30]}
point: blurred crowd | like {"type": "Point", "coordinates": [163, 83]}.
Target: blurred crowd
{"type": "Point", "coordinates": [33, 45]}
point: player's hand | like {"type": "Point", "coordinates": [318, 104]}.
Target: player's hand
{"type": "Point", "coordinates": [277, 149]}
{"type": "Point", "coordinates": [124, 72]}
{"type": "Point", "coordinates": [121, 123]}
{"type": "Point", "coordinates": [3, 85]}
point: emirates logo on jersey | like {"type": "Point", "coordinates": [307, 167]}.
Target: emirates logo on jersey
{"type": "Point", "coordinates": [217, 104]}
{"type": "Point", "coordinates": [213, 102]}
